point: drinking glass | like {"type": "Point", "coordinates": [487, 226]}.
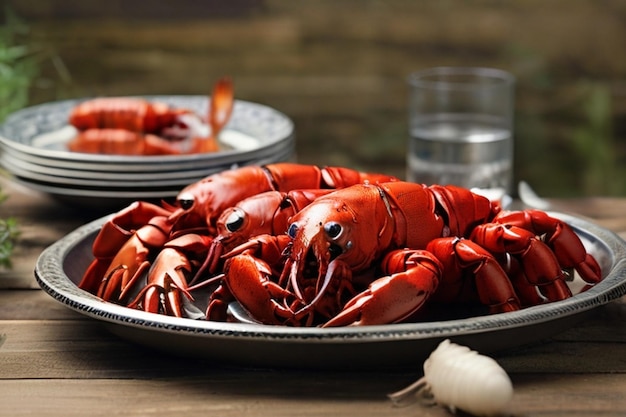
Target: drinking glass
{"type": "Point", "coordinates": [460, 124]}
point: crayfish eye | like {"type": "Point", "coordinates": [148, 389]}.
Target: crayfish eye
{"type": "Point", "coordinates": [293, 229]}
{"type": "Point", "coordinates": [186, 201]}
{"type": "Point", "coordinates": [333, 229]}
{"type": "Point", "coordinates": [234, 221]}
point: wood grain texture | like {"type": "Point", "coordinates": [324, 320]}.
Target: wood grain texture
{"type": "Point", "coordinates": [55, 362]}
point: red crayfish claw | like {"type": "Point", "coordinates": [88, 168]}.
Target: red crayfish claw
{"type": "Point", "coordinates": [249, 278]}
{"type": "Point", "coordinates": [559, 237]}
{"type": "Point", "coordinates": [168, 276]}
{"type": "Point", "coordinates": [112, 279]}
{"type": "Point", "coordinates": [411, 278]}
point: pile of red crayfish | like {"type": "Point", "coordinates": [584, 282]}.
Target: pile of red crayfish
{"type": "Point", "coordinates": [306, 246]}
{"type": "Point", "coordinates": [135, 126]}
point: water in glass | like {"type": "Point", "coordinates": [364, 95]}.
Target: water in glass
{"type": "Point", "coordinates": [461, 149]}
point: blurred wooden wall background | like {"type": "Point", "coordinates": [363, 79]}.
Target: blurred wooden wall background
{"type": "Point", "coordinates": [339, 69]}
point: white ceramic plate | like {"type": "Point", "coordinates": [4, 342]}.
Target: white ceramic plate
{"type": "Point", "coordinates": [33, 149]}
{"type": "Point", "coordinates": [103, 198]}
{"type": "Point", "coordinates": [192, 163]}
{"type": "Point", "coordinates": [62, 264]}
{"type": "Point", "coordinates": [98, 180]}
{"type": "Point", "coordinates": [42, 131]}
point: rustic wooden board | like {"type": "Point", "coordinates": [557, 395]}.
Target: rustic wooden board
{"type": "Point", "coordinates": [273, 394]}
{"type": "Point", "coordinates": [594, 346]}
{"type": "Point", "coordinates": [33, 305]}
{"type": "Point", "coordinates": [56, 362]}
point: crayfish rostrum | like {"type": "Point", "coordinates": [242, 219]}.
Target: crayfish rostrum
{"type": "Point", "coordinates": [344, 249]}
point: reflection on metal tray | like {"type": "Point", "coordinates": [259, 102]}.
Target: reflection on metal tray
{"type": "Point", "coordinates": [61, 266]}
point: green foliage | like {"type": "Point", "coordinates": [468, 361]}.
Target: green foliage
{"type": "Point", "coordinates": [18, 70]}
{"type": "Point", "coordinates": [18, 65]}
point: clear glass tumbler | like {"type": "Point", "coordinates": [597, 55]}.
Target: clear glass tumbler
{"type": "Point", "coordinates": [460, 125]}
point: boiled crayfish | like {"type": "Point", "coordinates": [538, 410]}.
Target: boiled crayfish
{"type": "Point", "coordinates": [167, 246]}
{"type": "Point", "coordinates": [134, 126]}
{"type": "Point", "coordinates": [306, 246]}
{"type": "Point", "coordinates": [376, 253]}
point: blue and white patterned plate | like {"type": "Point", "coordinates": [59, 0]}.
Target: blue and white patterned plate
{"type": "Point", "coordinates": [61, 266]}
{"type": "Point", "coordinates": [43, 131]}
{"type": "Point", "coordinates": [33, 148]}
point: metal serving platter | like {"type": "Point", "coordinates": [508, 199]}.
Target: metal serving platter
{"type": "Point", "coordinates": [61, 266]}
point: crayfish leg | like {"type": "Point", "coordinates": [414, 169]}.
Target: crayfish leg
{"type": "Point", "coordinates": [460, 256]}
{"type": "Point", "coordinates": [217, 310]}
{"type": "Point", "coordinates": [92, 279]}
{"type": "Point", "coordinates": [414, 277]}
{"type": "Point", "coordinates": [560, 238]}
{"type": "Point", "coordinates": [538, 262]}
{"type": "Point", "coordinates": [249, 280]}
{"type": "Point", "coordinates": [118, 282]}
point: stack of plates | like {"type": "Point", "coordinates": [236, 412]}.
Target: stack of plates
{"type": "Point", "coordinates": [33, 148]}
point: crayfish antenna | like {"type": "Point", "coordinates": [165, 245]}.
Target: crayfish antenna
{"type": "Point", "coordinates": [205, 283]}
{"type": "Point", "coordinates": [321, 291]}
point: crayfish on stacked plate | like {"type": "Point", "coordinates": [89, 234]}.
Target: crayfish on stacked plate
{"type": "Point", "coordinates": [136, 126]}
{"type": "Point", "coordinates": [300, 245]}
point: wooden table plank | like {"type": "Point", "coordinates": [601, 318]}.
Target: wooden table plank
{"type": "Point", "coordinates": [84, 348]}
{"type": "Point", "coordinates": [202, 396]}
{"type": "Point", "coordinates": [569, 395]}
{"type": "Point", "coordinates": [32, 305]}
{"type": "Point", "coordinates": [284, 395]}
{"type": "Point", "coordinates": [56, 362]}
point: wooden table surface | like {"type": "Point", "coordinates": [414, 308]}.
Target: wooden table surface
{"type": "Point", "coordinates": [55, 362]}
